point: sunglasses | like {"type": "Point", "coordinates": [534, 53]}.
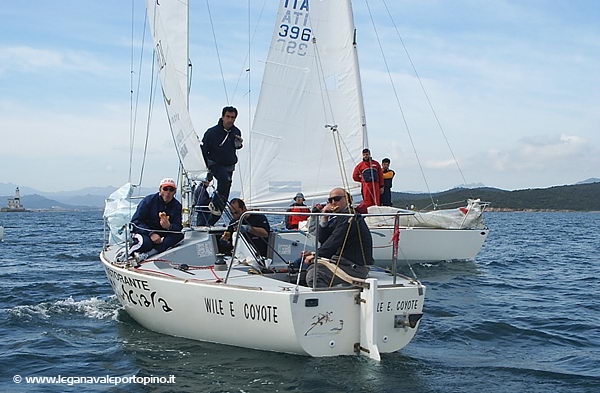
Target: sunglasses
{"type": "Point", "coordinates": [171, 189]}
{"type": "Point", "coordinates": [335, 198]}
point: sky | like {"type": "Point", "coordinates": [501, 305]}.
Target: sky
{"type": "Point", "coordinates": [515, 86]}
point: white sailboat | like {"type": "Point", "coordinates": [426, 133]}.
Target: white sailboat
{"type": "Point", "coordinates": [310, 120]}
{"type": "Point", "coordinates": [186, 291]}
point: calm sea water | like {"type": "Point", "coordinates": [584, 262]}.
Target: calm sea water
{"type": "Point", "coordinates": [524, 317]}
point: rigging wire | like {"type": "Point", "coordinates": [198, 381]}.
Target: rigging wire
{"type": "Point", "coordinates": [152, 96]}
{"type": "Point", "coordinates": [249, 102]}
{"type": "Point", "coordinates": [328, 107]}
{"type": "Point", "coordinates": [212, 26]}
{"type": "Point", "coordinates": [137, 94]}
{"type": "Point", "coordinates": [398, 101]}
{"type": "Point", "coordinates": [424, 91]}
{"type": "Point", "coordinates": [247, 69]}
{"type": "Point", "coordinates": [131, 128]}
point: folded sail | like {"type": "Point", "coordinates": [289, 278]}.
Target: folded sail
{"type": "Point", "coordinates": [168, 21]}
{"type": "Point", "coordinates": [311, 80]}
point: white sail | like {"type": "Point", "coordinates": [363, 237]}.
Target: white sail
{"type": "Point", "coordinates": [311, 80]}
{"type": "Point", "coordinates": [168, 21]}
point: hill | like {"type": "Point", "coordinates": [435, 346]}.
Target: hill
{"type": "Point", "coordinates": [578, 197]}
{"type": "Point", "coordinates": [38, 202]}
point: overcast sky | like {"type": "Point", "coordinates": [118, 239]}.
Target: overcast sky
{"type": "Point", "coordinates": [515, 84]}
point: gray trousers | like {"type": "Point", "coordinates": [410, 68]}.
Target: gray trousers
{"type": "Point", "coordinates": [324, 275]}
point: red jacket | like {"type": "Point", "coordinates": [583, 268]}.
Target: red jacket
{"type": "Point", "coordinates": [292, 221]}
{"type": "Point", "coordinates": [357, 175]}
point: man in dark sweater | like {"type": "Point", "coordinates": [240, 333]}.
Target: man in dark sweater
{"type": "Point", "coordinates": [255, 228]}
{"type": "Point", "coordinates": [346, 241]}
{"type": "Point", "coordinates": [219, 146]}
{"type": "Point", "coordinates": [157, 220]}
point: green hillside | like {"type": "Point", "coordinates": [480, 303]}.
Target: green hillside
{"type": "Point", "coordinates": [579, 197]}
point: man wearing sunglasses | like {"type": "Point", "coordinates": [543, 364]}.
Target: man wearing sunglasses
{"type": "Point", "coordinates": [346, 241]}
{"type": "Point", "coordinates": [157, 220]}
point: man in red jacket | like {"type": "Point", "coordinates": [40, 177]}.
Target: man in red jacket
{"type": "Point", "coordinates": [291, 222]}
{"type": "Point", "coordinates": [370, 175]}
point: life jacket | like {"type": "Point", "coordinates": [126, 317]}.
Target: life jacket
{"type": "Point", "coordinates": [370, 175]}
{"type": "Point", "coordinates": [292, 221]}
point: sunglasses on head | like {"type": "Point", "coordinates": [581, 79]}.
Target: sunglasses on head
{"type": "Point", "coordinates": [336, 198]}
{"type": "Point", "coordinates": [169, 189]}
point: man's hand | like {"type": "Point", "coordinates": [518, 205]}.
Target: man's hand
{"type": "Point", "coordinates": [156, 239]}
{"type": "Point", "coordinates": [164, 220]}
{"type": "Point", "coordinates": [226, 236]}
{"type": "Point", "coordinates": [308, 257]}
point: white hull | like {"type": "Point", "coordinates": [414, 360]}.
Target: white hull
{"type": "Point", "coordinates": [1, 233]}
{"type": "Point", "coordinates": [428, 244]}
{"type": "Point", "coordinates": [262, 311]}
{"type": "Point", "coordinates": [416, 245]}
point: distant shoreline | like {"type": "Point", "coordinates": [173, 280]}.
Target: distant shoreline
{"type": "Point", "coordinates": [510, 210]}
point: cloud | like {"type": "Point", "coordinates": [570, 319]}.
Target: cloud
{"type": "Point", "coordinates": [539, 152]}
{"type": "Point", "coordinates": [440, 164]}
{"type": "Point", "coordinates": [38, 60]}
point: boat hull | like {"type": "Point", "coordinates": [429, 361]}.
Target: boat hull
{"type": "Point", "coordinates": [306, 322]}
{"type": "Point", "coordinates": [416, 245]}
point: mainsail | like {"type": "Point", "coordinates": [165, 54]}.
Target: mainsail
{"type": "Point", "coordinates": [311, 86]}
{"type": "Point", "coordinates": [168, 22]}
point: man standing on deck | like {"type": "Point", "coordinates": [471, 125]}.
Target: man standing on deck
{"type": "Point", "coordinates": [368, 172]}
{"type": "Point", "coordinates": [219, 146]}
{"type": "Point", "coordinates": [388, 176]}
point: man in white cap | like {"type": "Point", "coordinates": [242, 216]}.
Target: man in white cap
{"type": "Point", "coordinates": [157, 220]}
{"type": "Point", "coordinates": [291, 222]}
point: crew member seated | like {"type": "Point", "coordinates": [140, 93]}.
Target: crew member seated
{"type": "Point", "coordinates": [345, 240]}
{"type": "Point", "coordinates": [156, 224]}
{"type": "Point", "coordinates": [291, 222]}
{"type": "Point", "coordinates": [255, 228]}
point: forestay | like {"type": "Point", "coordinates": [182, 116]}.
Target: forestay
{"type": "Point", "coordinates": [169, 25]}
{"type": "Point", "coordinates": [311, 80]}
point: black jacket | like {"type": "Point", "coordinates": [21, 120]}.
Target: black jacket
{"type": "Point", "coordinates": [358, 247]}
{"type": "Point", "coordinates": [218, 145]}
{"type": "Point", "coordinates": [146, 215]}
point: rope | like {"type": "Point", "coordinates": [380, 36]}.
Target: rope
{"type": "Point", "coordinates": [154, 230]}
{"type": "Point", "coordinates": [244, 69]}
{"type": "Point", "coordinates": [398, 101]}
{"type": "Point", "coordinates": [337, 264]}
{"type": "Point", "coordinates": [149, 118]}
{"type": "Point", "coordinates": [212, 26]}
{"type": "Point", "coordinates": [425, 93]}
{"type": "Point", "coordinates": [131, 128]}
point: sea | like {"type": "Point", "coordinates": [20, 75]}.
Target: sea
{"type": "Point", "coordinates": [523, 317]}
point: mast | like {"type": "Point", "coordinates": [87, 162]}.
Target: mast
{"type": "Point", "coordinates": [361, 101]}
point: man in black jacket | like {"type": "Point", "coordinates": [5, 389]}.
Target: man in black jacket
{"type": "Point", "coordinates": [219, 146]}
{"type": "Point", "coordinates": [346, 241]}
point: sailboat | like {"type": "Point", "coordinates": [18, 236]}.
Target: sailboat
{"type": "Point", "coordinates": [191, 292]}
{"type": "Point", "coordinates": [310, 127]}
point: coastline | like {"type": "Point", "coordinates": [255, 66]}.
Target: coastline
{"type": "Point", "coordinates": [527, 210]}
